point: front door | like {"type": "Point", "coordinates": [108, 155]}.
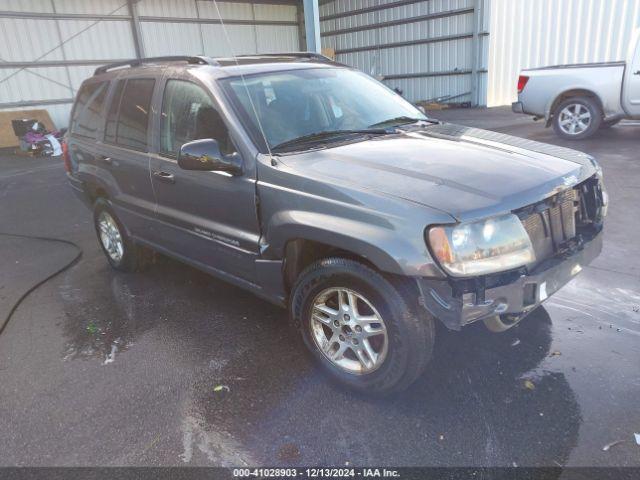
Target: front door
{"type": "Point", "coordinates": [207, 217]}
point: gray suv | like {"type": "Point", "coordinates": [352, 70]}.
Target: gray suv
{"type": "Point", "coordinates": [321, 190]}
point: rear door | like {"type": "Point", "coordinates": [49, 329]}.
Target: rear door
{"type": "Point", "coordinates": [206, 217]}
{"type": "Point", "coordinates": [124, 154]}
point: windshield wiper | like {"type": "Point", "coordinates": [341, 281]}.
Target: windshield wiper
{"type": "Point", "coordinates": [328, 134]}
{"type": "Point", "coordinates": [402, 120]}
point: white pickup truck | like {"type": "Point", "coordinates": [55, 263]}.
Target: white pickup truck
{"type": "Point", "coordinates": [580, 99]}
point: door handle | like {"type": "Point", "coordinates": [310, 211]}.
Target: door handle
{"type": "Point", "coordinates": [637, 73]}
{"type": "Point", "coordinates": [107, 160]}
{"type": "Point", "coordinates": [165, 177]}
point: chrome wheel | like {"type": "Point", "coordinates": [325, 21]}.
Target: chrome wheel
{"type": "Point", "coordinates": [348, 330]}
{"type": "Point", "coordinates": [110, 236]}
{"type": "Point", "coordinates": [574, 119]}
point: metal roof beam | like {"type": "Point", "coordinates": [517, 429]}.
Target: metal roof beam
{"type": "Point", "coordinates": [375, 8]}
{"type": "Point", "coordinates": [62, 16]}
{"type": "Point", "coordinates": [56, 63]}
{"type": "Point", "coordinates": [401, 76]}
{"type": "Point", "coordinates": [215, 21]}
{"type": "Point", "coordinates": [36, 103]}
{"type": "Point", "coordinates": [408, 43]}
{"type": "Point", "coordinates": [402, 21]}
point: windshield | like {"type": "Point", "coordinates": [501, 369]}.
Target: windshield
{"type": "Point", "coordinates": [298, 103]}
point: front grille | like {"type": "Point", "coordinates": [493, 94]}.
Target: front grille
{"type": "Point", "coordinates": [550, 224]}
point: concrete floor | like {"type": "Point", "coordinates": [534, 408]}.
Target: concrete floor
{"type": "Point", "coordinates": [104, 368]}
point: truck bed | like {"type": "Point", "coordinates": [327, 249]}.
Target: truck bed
{"type": "Point", "coordinates": [580, 65]}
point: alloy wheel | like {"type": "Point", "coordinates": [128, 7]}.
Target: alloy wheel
{"type": "Point", "coordinates": [574, 119]}
{"type": "Point", "coordinates": [348, 330]}
{"type": "Point", "coordinates": [110, 236]}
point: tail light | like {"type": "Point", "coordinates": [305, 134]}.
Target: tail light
{"type": "Point", "coordinates": [65, 156]}
{"type": "Point", "coordinates": [522, 82]}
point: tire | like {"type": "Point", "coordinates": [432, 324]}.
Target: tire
{"type": "Point", "coordinates": [583, 115]}
{"type": "Point", "coordinates": [403, 349]}
{"type": "Point", "coordinates": [129, 257]}
{"type": "Point", "coordinates": [604, 125]}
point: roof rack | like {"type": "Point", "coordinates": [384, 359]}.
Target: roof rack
{"type": "Point", "coordinates": [309, 55]}
{"type": "Point", "coordinates": [136, 62]}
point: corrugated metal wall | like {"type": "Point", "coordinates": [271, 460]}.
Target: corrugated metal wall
{"type": "Point", "coordinates": [426, 48]}
{"type": "Point", "coordinates": [67, 39]}
{"type": "Point", "coordinates": [535, 33]}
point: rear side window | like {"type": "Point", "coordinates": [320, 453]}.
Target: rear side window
{"type": "Point", "coordinates": [87, 113]}
{"type": "Point", "coordinates": [133, 118]}
{"type": "Point", "coordinates": [188, 113]}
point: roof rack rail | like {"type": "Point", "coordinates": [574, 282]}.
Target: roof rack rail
{"type": "Point", "coordinates": [310, 55]}
{"type": "Point", "coordinates": [136, 62]}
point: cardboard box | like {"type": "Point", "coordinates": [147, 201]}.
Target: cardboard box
{"type": "Point", "coordinates": [7, 137]}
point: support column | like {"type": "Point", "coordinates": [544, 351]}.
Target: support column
{"type": "Point", "coordinates": [312, 25]}
{"type": "Point", "coordinates": [135, 28]}
{"type": "Point", "coordinates": [475, 53]}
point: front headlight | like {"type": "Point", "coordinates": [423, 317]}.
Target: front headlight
{"type": "Point", "coordinates": [479, 248]}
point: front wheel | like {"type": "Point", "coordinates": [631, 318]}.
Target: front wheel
{"type": "Point", "coordinates": [366, 332]}
{"type": "Point", "coordinates": [577, 118]}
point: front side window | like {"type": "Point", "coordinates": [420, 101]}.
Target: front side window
{"type": "Point", "coordinates": [188, 113]}
{"type": "Point", "coordinates": [133, 117]}
{"type": "Point", "coordinates": [88, 110]}
{"type": "Point", "coordinates": [291, 104]}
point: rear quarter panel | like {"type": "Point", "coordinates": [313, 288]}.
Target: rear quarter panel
{"type": "Point", "coordinates": [545, 86]}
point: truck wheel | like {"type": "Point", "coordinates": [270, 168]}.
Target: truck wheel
{"type": "Point", "coordinates": [367, 332]}
{"type": "Point", "coordinates": [577, 118]}
{"type": "Point", "coordinates": [122, 254]}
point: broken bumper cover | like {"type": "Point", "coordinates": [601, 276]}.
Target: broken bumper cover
{"type": "Point", "coordinates": [516, 296]}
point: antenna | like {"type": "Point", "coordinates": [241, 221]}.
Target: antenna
{"type": "Point", "coordinates": [244, 82]}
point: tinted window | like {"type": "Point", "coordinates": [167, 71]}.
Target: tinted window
{"type": "Point", "coordinates": [189, 114]}
{"type": "Point", "coordinates": [112, 116]}
{"type": "Point", "coordinates": [88, 110]}
{"type": "Point", "coordinates": [133, 118]}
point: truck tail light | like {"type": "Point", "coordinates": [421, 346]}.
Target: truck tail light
{"type": "Point", "coordinates": [522, 82]}
{"type": "Point", "coordinates": [65, 156]}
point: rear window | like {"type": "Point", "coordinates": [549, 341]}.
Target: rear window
{"type": "Point", "coordinates": [87, 113]}
{"type": "Point", "coordinates": [128, 117]}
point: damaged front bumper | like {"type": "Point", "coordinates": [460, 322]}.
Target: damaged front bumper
{"type": "Point", "coordinates": [510, 295]}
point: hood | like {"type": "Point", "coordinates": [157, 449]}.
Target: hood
{"type": "Point", "coordinates": [465, 172]}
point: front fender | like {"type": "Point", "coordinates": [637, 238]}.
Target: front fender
{"type": "Point", "coordinates": [379, 242]}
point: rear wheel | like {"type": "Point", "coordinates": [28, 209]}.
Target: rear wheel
{"type": "Point", "coordinates": [577, 118]}
{"type": "Point", "coordinates": [367, 332]}
{"type": "Point", "coordinates": [122, 254]}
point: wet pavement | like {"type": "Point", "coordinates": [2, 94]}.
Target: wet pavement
{"type": "Point", "coordinates": [172, 367]}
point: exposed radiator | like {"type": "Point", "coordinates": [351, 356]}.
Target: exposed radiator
{"type": "Point", "coordinates": [552, 223]}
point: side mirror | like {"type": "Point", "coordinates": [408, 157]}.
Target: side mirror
{"type": "Point", "coordinates": [205, 155]}
{"type": "Point", "coordinates": [422, 109]}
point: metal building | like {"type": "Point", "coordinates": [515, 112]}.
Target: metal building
{"type": "Point", "coordinates": [536, 33]}
{"type": "Point", "coordinates": [429, 49]}
{"type": "Point", "coordinates": [459, 51]}
{"type": "Point", "coordinates": [48, 47]}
